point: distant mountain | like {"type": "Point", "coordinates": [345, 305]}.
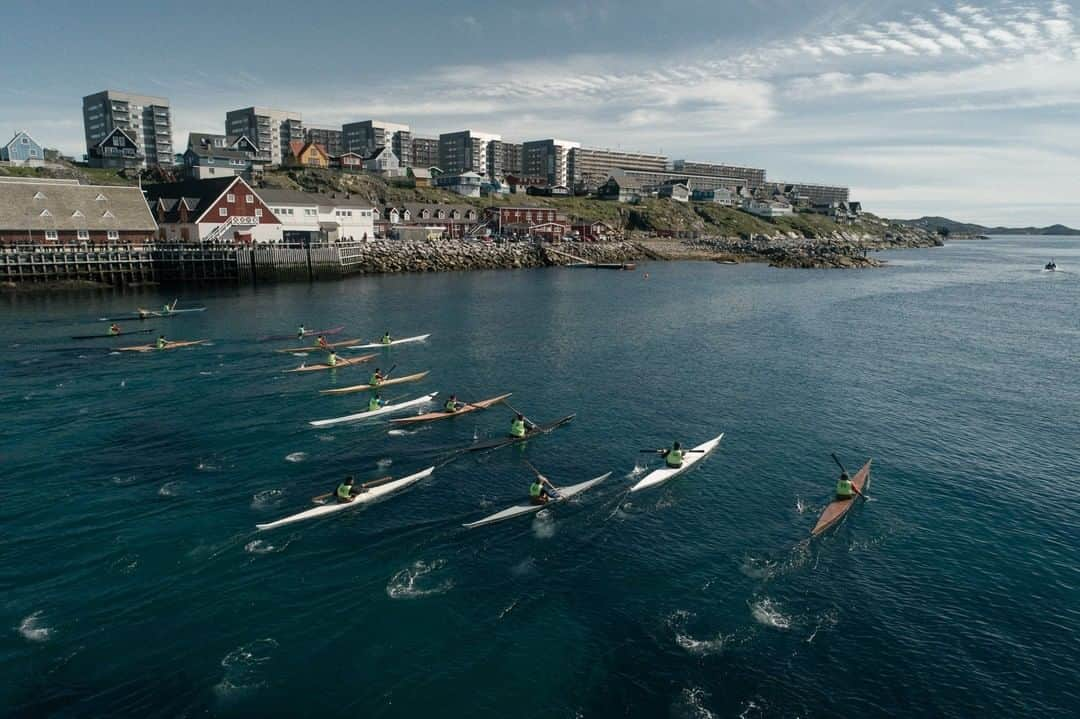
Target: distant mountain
{"type": "Point", "coordinates": [933, 224]}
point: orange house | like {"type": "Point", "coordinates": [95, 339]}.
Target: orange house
{"type": "Point", "coordinates": [308, 154]}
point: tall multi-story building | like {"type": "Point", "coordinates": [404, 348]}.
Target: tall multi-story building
{"type": "Point", "coordinates": [145, 119]}
{"type": "Point", "coordinates": [425, 152]}
{"type": "Point", "coordinates": [368, 136]}
{"type": "Point", "coordinates": [815, 194]}
{"type": "Point", "coordinates": [470, 151]}
{"type": "Point", "coordinates": [271, 130]}
{"type": "Point", "coordinates": [590, 167]}
{"type": "Point", "coordinates": [751, 177]}
{"type": "Point", "coordinates": [328, 137]}
{"type": "Point", "coordinates": [505, 160]}
{"type": "Point", "coordinates": [549, 159]}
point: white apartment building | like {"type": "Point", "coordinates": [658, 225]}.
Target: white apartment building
{"type": "Point", "coordinates": [270, 130]}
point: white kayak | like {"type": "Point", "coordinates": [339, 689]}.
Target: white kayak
{"type": "Point", "coordinates": [371, 345]}
{"type": "Point", "coordinates": [565, 493]}
{"type": "Point", "coordinates": [369, 496]}
{"type": "Point", "coordinates": [388, 409]}
{"type": "Point", "coordinates": [690, 458]}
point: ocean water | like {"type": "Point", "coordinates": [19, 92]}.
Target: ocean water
{"type": "Point", "coordinates": [133, 582]}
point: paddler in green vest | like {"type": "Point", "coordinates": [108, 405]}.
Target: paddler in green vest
{"type": "Point", "coordinates": [541, 490]}
{"type": "Point", "coordinates": [345, 491]}
{"type": "Point", "coordinates": [161, 342]}
{"type": "Point", "coordinates": [452, 404]}
{"type": "Point", "coordinates": [518, 426]}
{"type": "Point", "coordinates": [376, 378]}
{"type": "Point", "coordinates": [845, 490]}
{"type": "Point", "coordinates": [376, 402]}
{"type": "Point", "coordinates": [114, 329]}
{"type": "Point", "coordinates": [300, 332]}
{"type": "Point", "coordinates": [386, 338]}
{"type": "Point", "coordinates": [673, 457]}
{"type": "Point", "coordinates": [331, 359]}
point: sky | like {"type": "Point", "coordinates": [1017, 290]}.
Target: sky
{"type": "Point", "coordinates": [968, 110]}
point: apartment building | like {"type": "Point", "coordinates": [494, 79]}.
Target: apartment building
{"type": "Point", "coordinates": [591, 167]}
{"type": "Point", "coordinates": [370, 135]}
{"type": "Point", "coordinates": [331, 138]}
{"type": "Point", "coordinates": [549, 159]}
{"type": "Point", "coordinates": [809, 194]}
{"type": "Point", "coordinates": [425, 152]}
{"type": "Point", "coordinates": [270, 130]}
{"type": "Point", "coordinates": [508, 157]}
{"type": "Point", "coordinates": [751, 177]}
{"type": "Point", "coordinates": [145, 119]}
{"type": "Point", "coordinates": [470, 151]}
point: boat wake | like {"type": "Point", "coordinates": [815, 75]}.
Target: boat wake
{"type": "Point", "coordinates": [768, 612]}
{"type": "Point", "coordinates": [524, 567]}
{"type": "Point", "coordinates": [242, 668]}
{"type": "Point", "coordinates": [758, 567]}
{"type": "Point", "coordinates": [296, 457]}
{"type": "Point", "coordinates": [543, 525]}
{"type": "Point", "coordinates": [124, 481]}
{"type": "Point", "coordinates": [638, 470]}
{"type": "Point", "coordinates": [416, 581]}
{"type": "Point", "coordinates": [826, 621]}
{"type": "Point", "coordinates": [326, 438]}
{"type": "Point", "coordinates": [691, 704]}
{"type": "Point", "coordinates": [259, 546]}
{"type": "Point", "coordinates": [33, 629]}
{"type": "Point", "coordinates": [171, 489]}
{"type": "Point", "coordinates": [384, 462]}
{"type": "Point", "coordinates": [267, 498]}
{"type": "Point", "coordinates": [207, 467]}
{"type": "Point", "coordinates": [698, 647]}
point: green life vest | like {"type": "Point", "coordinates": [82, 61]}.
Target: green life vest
{"type": "Point", "coordinates": [673, 458]}
{"type": "Point", "coordinates": [517, 428]}
{"type": "Point", "coordinates": [300, 332]}
{"type": "Point", "coordinates": [844, 489]}
{"type": "Point", "coordinates": [160, 344]}
{"type": "Point", "coordinates": [386, 339]}
{"type": "Point", "coordinates": [344, 491]}
{"type": "Point", "coordinates": [166, 308]}
{"type": "Point", "coordinates": [331, 360]}
{"type": "Point", "coordinates": [450, 406]}
{"type": "Point", "coordinates": [373, 404]}
{"type": "Point", "coordinates": [535, 488]}
{"type": "Point", "coordinates": [375, 380]}
{"type": "Point", "coordinates": [113, 332]}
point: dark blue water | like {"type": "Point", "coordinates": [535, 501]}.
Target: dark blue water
{"type": "Point", "coordinates": [133, 582]}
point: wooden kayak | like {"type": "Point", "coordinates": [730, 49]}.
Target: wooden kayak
{"type": "Point", "coordinates": [118, 334]}
{"type": "Point", "coordinates": [343, 362]}
{"type": "Point", "coordinates": [168, 346]}
{"type": "Point", "coordinates": [470, 407]}
{"type": "Point", "coordinates": [537, 431]}
{"type": "Point", "coordinates": [316, 348]}
{"type": "Point", "coordinates": [307, 333]}
{"type": "Point", "coordinates": [385, 383]}
{"type": "Point", "coordinates": [839, 507]}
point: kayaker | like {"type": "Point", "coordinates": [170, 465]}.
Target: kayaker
{"type": "Point", "coordinates": [376, 402]}
{"type": "Point", "coordinates": [166, 309]}
{"type": "Point", "coordinates": [322, 343]}
{"type": "Point", "coordinates": [386, 338]}
{"type": "Point", "coordinates": [300, 332]}
{"type": "Point", "coordinates": [376, 378]}
{"type": "Point", "coordinates": [452, 404]}
{"type": "Point", "coordinates": [331, 359]}
{"type": "Point", "coordinates": [845, 490]}
{"type": "Point", "coordinates": [517, 426]}
{"type": "Point", "coordinates": [345, 491]}
{"type": "Point", "coordinates": [539, 490]}
{"type": "Point", "coordinates": [161, 342]}
{"type": "Point", "coordinates": [673, 457]}
{"type": "Point", "coordinates": [143, 313]}
{"type": "Point", "coordinates": [114, 329]}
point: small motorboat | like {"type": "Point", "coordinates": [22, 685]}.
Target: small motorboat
{"type": "Point", "coordinates": [1050, 266]}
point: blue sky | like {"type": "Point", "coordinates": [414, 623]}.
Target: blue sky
{"type": "Point", "coordinates": [970, 110]}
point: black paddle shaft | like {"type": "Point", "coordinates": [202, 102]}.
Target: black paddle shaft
{"type": "Point", "coordinates": [842, 467]}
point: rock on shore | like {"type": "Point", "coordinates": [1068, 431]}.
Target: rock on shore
{"type": "Point", "coordinates": [450, 255]}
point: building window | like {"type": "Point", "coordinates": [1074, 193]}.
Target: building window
{"type": "Point", "coordinates": [230, 197]}
{"type": "Point", "coordinates": [258, 213]}
{"type": "Point", "coordinates": [223, 212]}
{"type": "Point", "coordinates": [84, 234]}
{"type": "Point", "coordinates": [50, 234]}
{"type": "Point", "coordinates": [113, 235]}
{"type": "Point", "coordinates": [249, 199]}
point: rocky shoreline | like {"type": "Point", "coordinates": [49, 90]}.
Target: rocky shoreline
{"type": "Point", "coordinates": [382, 257]}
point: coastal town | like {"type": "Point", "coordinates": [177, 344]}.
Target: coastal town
{"type": "Point", "coordinates": [267, 178]}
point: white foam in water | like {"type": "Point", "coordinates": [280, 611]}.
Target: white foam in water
{"type": "Point", "coordinates": [259, 546]}
{"type": "Point", "coordinates": [525, 566]}
{"type": "Point", "coordinates": [414, 581]}
{"type": "Point", "coordinates": [767, 612]}
{"type": "Point", "coordinates": [171, 489]}
{"type": "Point", "coordinates": [399, 433]}
{"type": "Point", "coordinates": [326, 438]}
{"type": "Point", "coordinates": [757, 568]}
{"type": "Point", "coordinates": [384, 462]}
{"type": "Point", "coordinates": [296, 457]}
{"type": "Point", "coordinates": [242, 667]}
{"type": "Point", "coordinates": [34, 629]}
{"type": "Point", "coordinates": [206, 467]}
{"type": "Point", "coordinates": [126, 564]}
{"type": "Point", "coordinates": [123, 383]}
{"type": "Point", "coordinates": [121, 481]}
{"type": "Point", "coordinates": [691, 704]}
{"type": "Point", "coordinates": [543, 525]}
{"type": "Point", "coordinates": [206, 374]}
{"type": "Point", "coordinates": [299, 354]}
{"type": "Point", "coordinates": [267, 498]}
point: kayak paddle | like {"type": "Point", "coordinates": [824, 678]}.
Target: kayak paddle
{"type": "Point", "coordinates": [515, 411]}
{"type": "Point", "coordinates": [554, 491]}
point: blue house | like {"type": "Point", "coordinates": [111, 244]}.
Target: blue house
{"type": "Point", "coordinates": [23, 150]}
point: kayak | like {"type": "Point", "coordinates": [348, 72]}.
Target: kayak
{"type": "Point", "coordinates": [107, 335]}
{"type": "Point", "coordinates": [536, 431]}
{"type": "Point", "coordinates": [168, 346]}
{"type": "Point", "coordinates": [839, 507]}
{"type": "Point", "coordinates": [371, 345]}
{"type": "Point", "coordinates": [163, 313]}
{"type": "Point", "coordinates": [385, 383]}
{"type": "Point", "coordinates": [342, 362]}
{"type": "Point", "coordinates": [471, 407]}
{"type": "Point", "coordinates": [690, 458]}
{"type": "Point", "coordinates": [316, 348]}
{"type": "Point", "coordinates": [307, 333]}
{"type": "Point", "coordinates": [370, 495]}
{"type": "Point", "coordinates": [129, 318]}
{"type": "Point", "coordinates": [396, 407]}
{"type": "Point", "coordinates": [517, 510]}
